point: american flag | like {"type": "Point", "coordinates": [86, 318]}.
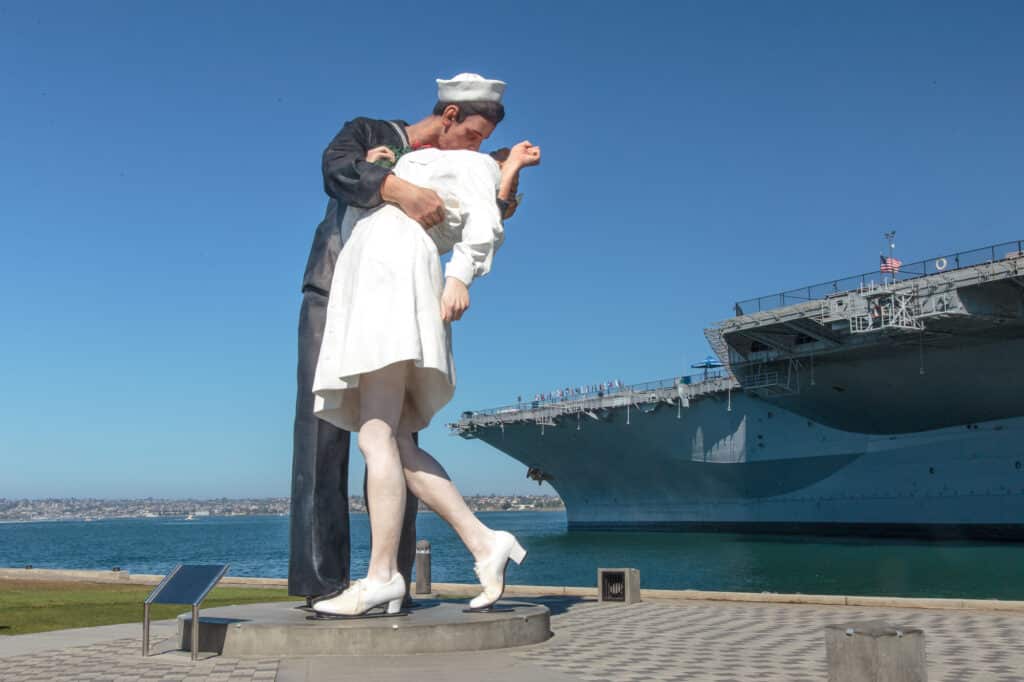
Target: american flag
{"type": "Point", "coordinates": [890, 265]}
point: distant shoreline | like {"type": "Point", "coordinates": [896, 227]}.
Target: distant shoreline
{"type": "Point", "coordinates": [90, 509]}
{"type": "Point", "coordinates": [171, 517]}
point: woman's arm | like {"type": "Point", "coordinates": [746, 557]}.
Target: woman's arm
{"type": "Point", "coordinates": [477, 178]}
{"type": "Point", "coordinates": [482, 232]}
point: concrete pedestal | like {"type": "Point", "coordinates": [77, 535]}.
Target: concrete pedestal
{"type": "Point", "coordinates": [280, 629]}
{"type": "Point", "coordinates": [874, 651]}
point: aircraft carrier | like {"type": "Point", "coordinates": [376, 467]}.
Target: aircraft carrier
{"type": "Point", "coordinates": [889, 403]}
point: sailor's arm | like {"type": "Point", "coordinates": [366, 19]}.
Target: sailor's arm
{"type": "Point", "coordinates": [350, 178]}
{"type": "Point", "coordinates": [507, 201]}
{"type": "Point", "coordinates": [514, 160]}
{"type": "Point", "coordinates": [421, 204]}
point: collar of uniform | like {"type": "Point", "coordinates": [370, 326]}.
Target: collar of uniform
{"type": "Point", "coordinates": [399, 127]}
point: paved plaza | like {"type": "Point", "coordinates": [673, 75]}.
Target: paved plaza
{"type": "Point", "coordinates": [654, 640]}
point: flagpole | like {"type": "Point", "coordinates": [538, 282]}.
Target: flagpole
{"type": "Point", "coordinates": [890, 238]}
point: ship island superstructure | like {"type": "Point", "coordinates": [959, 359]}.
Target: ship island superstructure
{"type": "Point", "coordinates": [890, 403]}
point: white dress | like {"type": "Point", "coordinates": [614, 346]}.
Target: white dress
{"type": "Point", "coordinates": [385, 301]}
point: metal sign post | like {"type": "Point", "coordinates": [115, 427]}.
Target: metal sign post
{"type": "Point", "coordinates": [185, 584]}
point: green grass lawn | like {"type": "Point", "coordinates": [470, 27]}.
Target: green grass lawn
{"type": "Point", "coordinates": [40, 606]}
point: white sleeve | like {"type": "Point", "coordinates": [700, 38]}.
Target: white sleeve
{"type": "Point", "coordinates": [482, 233]}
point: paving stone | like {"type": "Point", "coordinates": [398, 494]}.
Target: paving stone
{"type": "Point", "coordinates": [652, 640]}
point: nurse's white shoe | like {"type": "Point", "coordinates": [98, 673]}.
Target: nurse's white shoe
{"type": "Point", "coordinates": [491, 571]}
{"type": "Point", "coordinates": [365, 595]}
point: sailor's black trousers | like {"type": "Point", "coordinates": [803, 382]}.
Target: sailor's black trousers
{"type": "Point", "coordinates": [319, 558]}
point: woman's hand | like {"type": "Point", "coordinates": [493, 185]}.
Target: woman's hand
{"type": "Point", "coordinates": [454, 300]}
{"type": "Point", "coordinates": [378, 153]}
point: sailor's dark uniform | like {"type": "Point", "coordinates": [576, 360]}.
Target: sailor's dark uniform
{"type": "Point", "coordinates": [319, 536]}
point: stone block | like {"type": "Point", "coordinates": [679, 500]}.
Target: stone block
{"type": "Point", "coordinates": [618, 585]}
{"type": "Point", "coordinates": [874, 651]}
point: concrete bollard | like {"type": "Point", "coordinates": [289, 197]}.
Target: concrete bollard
{"type": "Point", "coordinates": [423, 567]}
{"type": "Point", "coordinates": [874, 651]}
{"type": "Point", "coordinates": [618, 585]}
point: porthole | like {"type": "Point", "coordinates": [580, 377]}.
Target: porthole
{"type": "Point", "coordinates": [1016, 465]}
{"type": "Point", "coordinates": [931, 470]}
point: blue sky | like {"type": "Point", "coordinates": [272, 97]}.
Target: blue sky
{"type": "Point", "coordinates": [159, 187]}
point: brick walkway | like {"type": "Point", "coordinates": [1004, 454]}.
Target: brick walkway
{"type": "Point", "coordinates": [718, 641]}
{"type": "Point", "coordinates": [655, 640]}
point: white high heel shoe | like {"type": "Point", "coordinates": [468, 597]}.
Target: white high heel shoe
{"type": "Point", "coordinates": [364, 595]}
{"type": "Point", "coordinates": [491, 571]}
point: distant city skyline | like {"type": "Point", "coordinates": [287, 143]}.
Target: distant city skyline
{"type": "Point", "coordinates": [88, 509]}
{"type": "Point", "coordinates": [161, 185]}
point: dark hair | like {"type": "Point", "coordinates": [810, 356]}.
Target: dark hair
{"type": "Point", "coordinates": [492, 111]}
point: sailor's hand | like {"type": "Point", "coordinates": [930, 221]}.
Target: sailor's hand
{"type": "Point", "coordinates": [422, 205]}
{"type": "Point", "coordinates": [524, 154]}
{"type": "Point", "coordinates": [378, 153]}
{"type": "Point", "coordinates": [454, 300]}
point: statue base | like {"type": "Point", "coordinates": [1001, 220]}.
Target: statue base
{"type": "Point", "coordinates": [282, 629]}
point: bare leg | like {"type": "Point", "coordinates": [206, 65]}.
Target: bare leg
{"type": "Point", "coordinates": [407, 544]}
{"type": "Point", "coordinates": [428, 481]}
{"type": "Point", "coordinates": [382, 393]}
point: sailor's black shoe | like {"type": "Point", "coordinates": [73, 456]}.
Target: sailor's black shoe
{"type": "Point", "coordinates": [314, 598]}
{"type": "Point", "coordinates": [310, 601]}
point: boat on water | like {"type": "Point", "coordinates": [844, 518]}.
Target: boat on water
{"type": "Point", "coordinates": [889, 403]}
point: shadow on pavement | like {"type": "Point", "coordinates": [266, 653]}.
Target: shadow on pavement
{"type": "Point", "coordinates": [558, 604]}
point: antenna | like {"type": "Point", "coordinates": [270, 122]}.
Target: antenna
{"type": "Point", "coordinates": [890, 238]}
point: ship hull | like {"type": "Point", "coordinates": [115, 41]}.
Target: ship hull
{"type": "Point", "coordinates": [889, 406]}
{"type": "Point", "coordinates": [928, 531]}
{"type": "Point", "coordinates": [739, 463]}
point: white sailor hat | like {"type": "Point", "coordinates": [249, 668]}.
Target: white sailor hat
{"type": "Point", "coordinates": [469, 87]}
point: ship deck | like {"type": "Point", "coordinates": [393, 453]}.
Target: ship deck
{"type": "Point", "coordinates": [643, 397]}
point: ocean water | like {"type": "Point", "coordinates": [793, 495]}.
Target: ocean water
{"type": "Point", "coordinates": [258, 546]}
